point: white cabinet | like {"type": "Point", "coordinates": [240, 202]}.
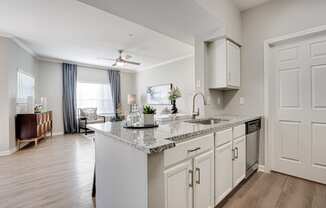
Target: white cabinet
{"type": "Point", "coordinates": [204, 180]}
{"type": "Point", "coordinates": [223, 64]}
{"type": "Point", "coordinates": [239, 161]}
{"type": "Point", "coordinates": [230, 160]}
{"type": "Point", "coordinates": [223, 171]}
{"type": "Point", "coordinates": [178, 185]}
{"type": "Point", "coordinates": [189, 174]}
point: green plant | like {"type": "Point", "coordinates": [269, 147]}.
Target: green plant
{"type": "Point", "coordinates": [149, 109]}
{"type": "Point", "coordinates": [174, 93]}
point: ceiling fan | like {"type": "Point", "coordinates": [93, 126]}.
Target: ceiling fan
{"type": "Point", "coordinates": [122, 61]}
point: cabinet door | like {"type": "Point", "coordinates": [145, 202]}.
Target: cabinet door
{"type": "Point", "coordinates": [178, 185]}
{"type": "Point", "coordinates": [223, 171]}
{"type": "Point", "coordinates": [233, 64]}
{"type": "Point", "coordinates": [204, 180]}
{"type": "Point", "coordinates": [239, 162]}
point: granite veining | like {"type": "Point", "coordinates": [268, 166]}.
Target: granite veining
{"type": "Point", "coordinates": [167, 135]}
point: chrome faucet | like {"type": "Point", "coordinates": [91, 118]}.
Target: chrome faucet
{"type": "Point", "coordinates": [195, 114]}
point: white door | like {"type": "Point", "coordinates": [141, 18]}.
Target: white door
{"type": "Point", "coordinates": [204, 180]}
{"type": "Point", "coordinates": [178, 185]}
{"type": "Point", "coordinates": [239, 161]}
{"type": "Point", "coordinates": [299, 146]}
{"type": "Point", "coordinates": [233, 64]}
{"type": "Point", "coordinates": [223, 171]}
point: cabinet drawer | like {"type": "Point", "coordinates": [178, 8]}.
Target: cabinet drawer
{"type": "Point", "coordinates": [223, 137]}
{"type": "Point", "coordinates": [188, 149]}
{"type": "Point", "coordinates": [239, 131]}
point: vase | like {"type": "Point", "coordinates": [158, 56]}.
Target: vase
{"type": "Point", "coordinates": [174, 108]}
{"type": "Point", "coordinates": [148, 119]}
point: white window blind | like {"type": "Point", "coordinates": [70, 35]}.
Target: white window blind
{"type": "Point", "coordinates": [94, 95]}
{"type": "Point", "coordinates": [25, 87]}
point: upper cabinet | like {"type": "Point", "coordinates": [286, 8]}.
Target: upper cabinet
{"type": "Point", "coordinates": [223, 64]}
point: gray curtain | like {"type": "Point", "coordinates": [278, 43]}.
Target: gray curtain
{"type": "Point", "coordinates": [69, 97]}
{"type": "Point", "coordinates": [114, 79]}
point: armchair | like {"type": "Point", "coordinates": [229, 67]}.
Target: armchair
{"type": "Point", "coordinates": [88, 116]}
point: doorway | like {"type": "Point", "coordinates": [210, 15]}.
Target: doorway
{"type": "Point", "coordinates": [297, 106]}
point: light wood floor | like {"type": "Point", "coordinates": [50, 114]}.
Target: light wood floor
{"type": "Point", "coordinates": [277, 191]}
{"type": "Point", "coordinates": [59, 173]}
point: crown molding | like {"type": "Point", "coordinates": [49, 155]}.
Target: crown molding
{"type": "Point", "coordinates": [19, 43]}
{"type": "Point", "coordinates": [167, 62]}
{"type": "Point", "coordinates": [85, 65]}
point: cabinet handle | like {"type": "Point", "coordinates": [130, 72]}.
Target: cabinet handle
{"type": "Point", "coordinates": [191, 176]}
{"type": "Point", "coordinates": [229, 78]}
{"type": "Point", "coordinates": [233, 154]}
{"type": "Point", "coordinates": [198, 175]}
{"type": "Point", "coordinates": [237, 153]}
{"type": "Point", "coordinates": [193, 150]}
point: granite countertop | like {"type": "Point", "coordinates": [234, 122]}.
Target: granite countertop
{"type": "Point", "coordinates": [167, 135]}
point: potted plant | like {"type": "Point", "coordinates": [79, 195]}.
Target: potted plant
{"type": "Point", "coordinates": [149, 112]}
{"type": "Point", "coordinates": [174, 94]}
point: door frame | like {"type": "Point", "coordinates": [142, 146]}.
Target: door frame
{"type": "Point", "coordinates": [268, 90]}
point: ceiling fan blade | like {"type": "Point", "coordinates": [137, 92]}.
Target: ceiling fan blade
{"type": "Point", "coordinates": [115, 64]}
{"type": "Point", "coordinates": [131, 62]}
{"type": "Point", "coordinates": [108, 59]}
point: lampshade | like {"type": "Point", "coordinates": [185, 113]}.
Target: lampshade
{"type": "Point", "coordinates": [131, 99]}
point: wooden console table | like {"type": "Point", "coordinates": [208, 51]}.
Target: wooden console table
{"type": "Point", "coordinates": [33, 127]}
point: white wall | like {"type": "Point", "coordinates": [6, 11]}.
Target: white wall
{"type": "Point", "coordinates": [230, 16]}
{"type": "Point", "coordinates": [13, 57]}
{"type": "Point", "coordinates": [276, 18]}
{"type": "Point", "coordinates": [50, 86]}
{"type": "Point", "coordinates": [180, 73]}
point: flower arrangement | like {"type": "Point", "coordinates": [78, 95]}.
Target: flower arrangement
{"type": "Point", "coordinates": [174, 94]}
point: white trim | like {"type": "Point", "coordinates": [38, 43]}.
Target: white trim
{"type": "Point", "coordinates": [19, 43]}
{"type": "Point", "coordinates": [268, 44]}
{"type": "Point", "coordinates": [90, 66]}
{"type": "Point", "coordinates": [261, 168]}
{"type": "Point", "coordinates": [167, 62]}
{"type": "Point", "coordinates": [58, 134]}
{"type": "Point", "coordinates": [8, 152]}
{"type": "Point", "coordinates": [24, 46]}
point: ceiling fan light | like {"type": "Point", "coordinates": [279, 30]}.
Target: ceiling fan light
{"type": "Point", "coordinates": [120, 64]}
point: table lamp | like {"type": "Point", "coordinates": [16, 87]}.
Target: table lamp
{"type": "Point", "coordinates": [132, 101]}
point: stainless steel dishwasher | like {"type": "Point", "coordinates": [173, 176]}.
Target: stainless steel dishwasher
{"type": "Point", "coordinates": [252, 146]}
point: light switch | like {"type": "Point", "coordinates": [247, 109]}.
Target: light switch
{"type": "Point", "coordinates": [242, 100]}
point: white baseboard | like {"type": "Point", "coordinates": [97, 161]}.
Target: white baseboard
{"type": "Point", "coordinates": [58, 133]}
{"type": "Point", "coordinates": [15, 149]}
{"type": "Point", "coordinates": [261, 168]}
{"type": "Point", "coordinates": [8, 152]}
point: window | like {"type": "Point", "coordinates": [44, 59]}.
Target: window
{"type": "Point", "coordinates": [94, 95]}
{"type": "Point", "coordinates": [25, 87]}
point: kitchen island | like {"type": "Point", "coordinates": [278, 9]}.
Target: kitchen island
{"type": "Point", "coordinates": [172, 166]}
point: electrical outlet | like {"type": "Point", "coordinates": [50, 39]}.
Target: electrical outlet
{"type": "Point", "coordinates": [218, 100]}
{"type": "Point", "coordinates": [242, 100]}
{"type": "Point", "coordinates": [198, 83]}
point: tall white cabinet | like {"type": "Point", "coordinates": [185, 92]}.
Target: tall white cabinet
{"type": "Point", "coordinates": [223, 64]}
{"type": "Point", "coordinates": [230, 160]}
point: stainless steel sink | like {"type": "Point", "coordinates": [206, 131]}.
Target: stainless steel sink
{"type": "Point", "coordinates": [207, 121]}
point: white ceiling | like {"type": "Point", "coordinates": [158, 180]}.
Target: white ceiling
{"type": "Point", "coordinates": [247, 4]}
{"type": "Point", "coordinates": [180, 19]}
{"type": "Point", "coordinates": [71, 30]}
